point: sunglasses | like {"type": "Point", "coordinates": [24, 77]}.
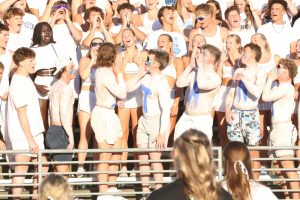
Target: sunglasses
{"type": "Point", "coordinates": [280, 66]}
{"type": "Point", "coordinates": [59, 6]}
{"type": "Point", "coordinates": [200, 18]}
{"type": "Point", "coordinates": [94, 44]}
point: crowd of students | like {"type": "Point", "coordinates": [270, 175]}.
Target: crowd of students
{"type": "Point", "coordinates": [150, 68]}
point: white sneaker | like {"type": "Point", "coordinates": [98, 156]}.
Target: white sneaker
{"type": "Point", "coordinates": [133, 172]}
{"type": "Point", "coordinates": [123, 173]}
{"type": "Point", "coordinates": [80, 172]}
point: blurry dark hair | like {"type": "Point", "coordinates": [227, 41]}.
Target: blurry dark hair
{"type": "Point", "coordinates": [107, 54]}
{"type": "Point", "coordinates": [37, 33]}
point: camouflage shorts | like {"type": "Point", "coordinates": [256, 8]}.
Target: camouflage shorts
{"type": "Point", "coordinates": [245, 127]}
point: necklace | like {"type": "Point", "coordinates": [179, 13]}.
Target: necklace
{"type": "Point", "coordinates": [276, 30]}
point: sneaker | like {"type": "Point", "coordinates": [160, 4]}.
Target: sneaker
{"type": "Point", "coordinates": [80, 172]}
{"type": "Point", "coordinates": [123, 173]}
{"type": "Point", "coordinates": [263, 171]}
{"type": "Point", "coordinates": [133, 172]}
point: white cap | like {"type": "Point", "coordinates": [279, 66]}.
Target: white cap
{"type": "Point", "coordinates": [61, 62]}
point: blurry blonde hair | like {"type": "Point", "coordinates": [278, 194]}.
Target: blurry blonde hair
{"type": "Point", "coordinates": [237, 168]}
{"type": "Point", "coordinates": [194, 162]}
{"type": "Point", "coordinates": [55, 187]}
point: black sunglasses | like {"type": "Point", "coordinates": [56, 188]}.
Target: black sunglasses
{"type": "Point", "coordinates": [200, 18]}
{"type": "Point", "coordinates": [93, 44]}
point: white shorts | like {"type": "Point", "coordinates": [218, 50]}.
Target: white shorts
{"type": "Point", "coordinates": [147, 131]}
{"type": "Point", "coordinates": [133, 99]}
{"type": "Point", "coordinates": [201, 123]}
{"type": "Point", "coordinates": [87, 101]}
{"type": "Point", "coordinates": [24, 145]}
{"type": "Point", "coordinates": [283, 134]}
{"type": "Point", "coordinates": [220, 100]}
{"type": "Point", "coordinates": [106, 125]}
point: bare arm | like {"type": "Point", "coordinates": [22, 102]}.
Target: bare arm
{"type": "Point", "coordinates": [255, 88]}
{"type": "Point", "coordinates": [66, 113]}
{"type": "Point", "coordinates": [291, 8]}
{"type": "Point", "coordinates": [163, 98]}
{"type": "Point", "coordinates": [77, 34]}
{"type": "Point", "coordinates": [5, 5]}
{"type": "Point", "coordinates": [185, 78]}
{"type": "Point", "coordinates": [46, 15]}
{"type": "Point", "coordinates": [85, 66]}
{"type": "Point", "coordinates": [274, 94]}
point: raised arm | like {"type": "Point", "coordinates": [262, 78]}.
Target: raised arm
{"type": "Point", "coordinates": [256, 88]}
{"type": "Point", "coordinates": [186, 77]}
{"type": "Point", "coordinates": [117, 88]}
{"type": "Point", "coordinates": [66, 114]}
{"type": "Point", "coordinates": [272, 94]}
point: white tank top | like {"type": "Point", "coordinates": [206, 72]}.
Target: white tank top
{"type": "Point", "coordinates": [151, 25]}
{"type": "Point", "coordinates": [131, 68]}
{"type": "Point", "coordinates": [215, 40]}
{"type": "Point", "coordinates": [90, 81]}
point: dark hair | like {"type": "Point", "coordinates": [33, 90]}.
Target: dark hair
{"type": "Point", "coordinates": [93, 9]}
{"type": "Point", "coordinates": [106, 55]}
{"type": "Point", "coordinates": [161, 57]}
{"type": "Point", "coordinates": [3, 27]}
{"type": "Point", "coordinates": [256, 49]}
{"type": "Point", "coordinates": [96, 38]}
{"type": "Point", "coordinates": [22, 54]}
{"type": "Point", "coordinates": [219, 14]}
{"type": "Point", "coordinates": [290, 65]}
{"type": "Point", "coordinates": [37, 33]}
{"type": "Point", "coordinates": [125, 6]}
{"type": "Point", "coordinates": [281, 2]}
{"type": "Point", "coordinates": [230, 9]}
{"type": "Point", "coordinates": [207, 9]}
{"type": "Point", "coordinates": [161, 12]}
{"type": "Point", "coordinates": [11, 12]}
{"type": "Point", "coordinates": [213, 51]}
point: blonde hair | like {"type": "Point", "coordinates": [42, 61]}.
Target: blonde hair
{"type": "Point", "coordinates": [55, 187]}
{"type": "Point", "coordinates": [194, 162]}
{"type": "Point", "coordinates": [237, 168]}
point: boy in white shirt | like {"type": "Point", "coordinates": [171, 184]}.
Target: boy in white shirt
{"type": "Point", "coordinates": [25, 124]}
{"type": "Point", "coordinates": [283, 133]}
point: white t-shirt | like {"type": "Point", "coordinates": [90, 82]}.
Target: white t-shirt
{"type": "Point", "coordinates": [258, 191]}
{"type": "Point", "coordinates": [38, 4]}
{"type": "Point", "coordinates": [63, 37]}
{"type": "Point", "coordinates": [179, 45]}
{"type": "Point", "coordinates": [279, 38]}
{"type": "Point", "coordinates": [29, 22]}
{"type": "Point", "coordinates": [296, 29]}
{"type": "Point", "coordinates": [22, 93]}
{"type": "Point", "coordinates": [17, 40]}
{"type": "Point", "coordinates": [245, 35]}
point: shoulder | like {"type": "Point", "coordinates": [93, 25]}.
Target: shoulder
{"type": "Point", "coordinates": [172, 191]}
{"type": "Point", "coordinates": [259, 191]}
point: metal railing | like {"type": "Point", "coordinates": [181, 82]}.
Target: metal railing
{"type": "Point", "coordinates": [131, 184]}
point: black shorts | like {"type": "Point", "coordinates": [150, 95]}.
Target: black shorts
{"type": "Point", "coordinates": [57, 138]}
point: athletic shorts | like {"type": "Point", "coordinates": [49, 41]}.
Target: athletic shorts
{"type": "Point", "coordinates": [57, 138]}
{"type": "Point", "coordinates": [245, 127]}
{"type": "Point", "coordinates": [220, 101]}
{"type": "Point", "coordinates": [87, 101]}
{"type": "Point", "coordinates": [148, 130]}
{"type": "Point", "coordinates": [106, 125]}
{"type": "Point", "coordinates": [283, 134]}
{"type": "Point", "coordinates": [201, 123]}
{"type": "Point", "coordinates": [24, 145]}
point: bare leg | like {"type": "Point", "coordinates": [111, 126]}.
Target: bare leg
{"type": "Point", "coordinates": [222, 125]}
{"type": "Point", "coordinates": [264, 135]}
{"type": "Point", "coordinates": [104, 166]}
{"type": "Point", "coordinates": [44, 105]}
{"type": "Point", "coordinates": [35, 178]}
{"type": "Point", "coordinates": [85, 135]}
{"type": "Point", "coordinates": [124, 115]}
{"type": "Point", "coordinates": [295, 122]}
{"type": "Point", "coordinates": [19, 179]}
{"type": "Point", "coordinates": [144, 166]}
{"type": "Point", "coordinates": [255, 164]}
{"type": "Point", "coordinates": [157, 166]}
{"type": "Point", "coordinates": [114, 167]}
{"type": "Point", "coordinates": [135, 116]}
